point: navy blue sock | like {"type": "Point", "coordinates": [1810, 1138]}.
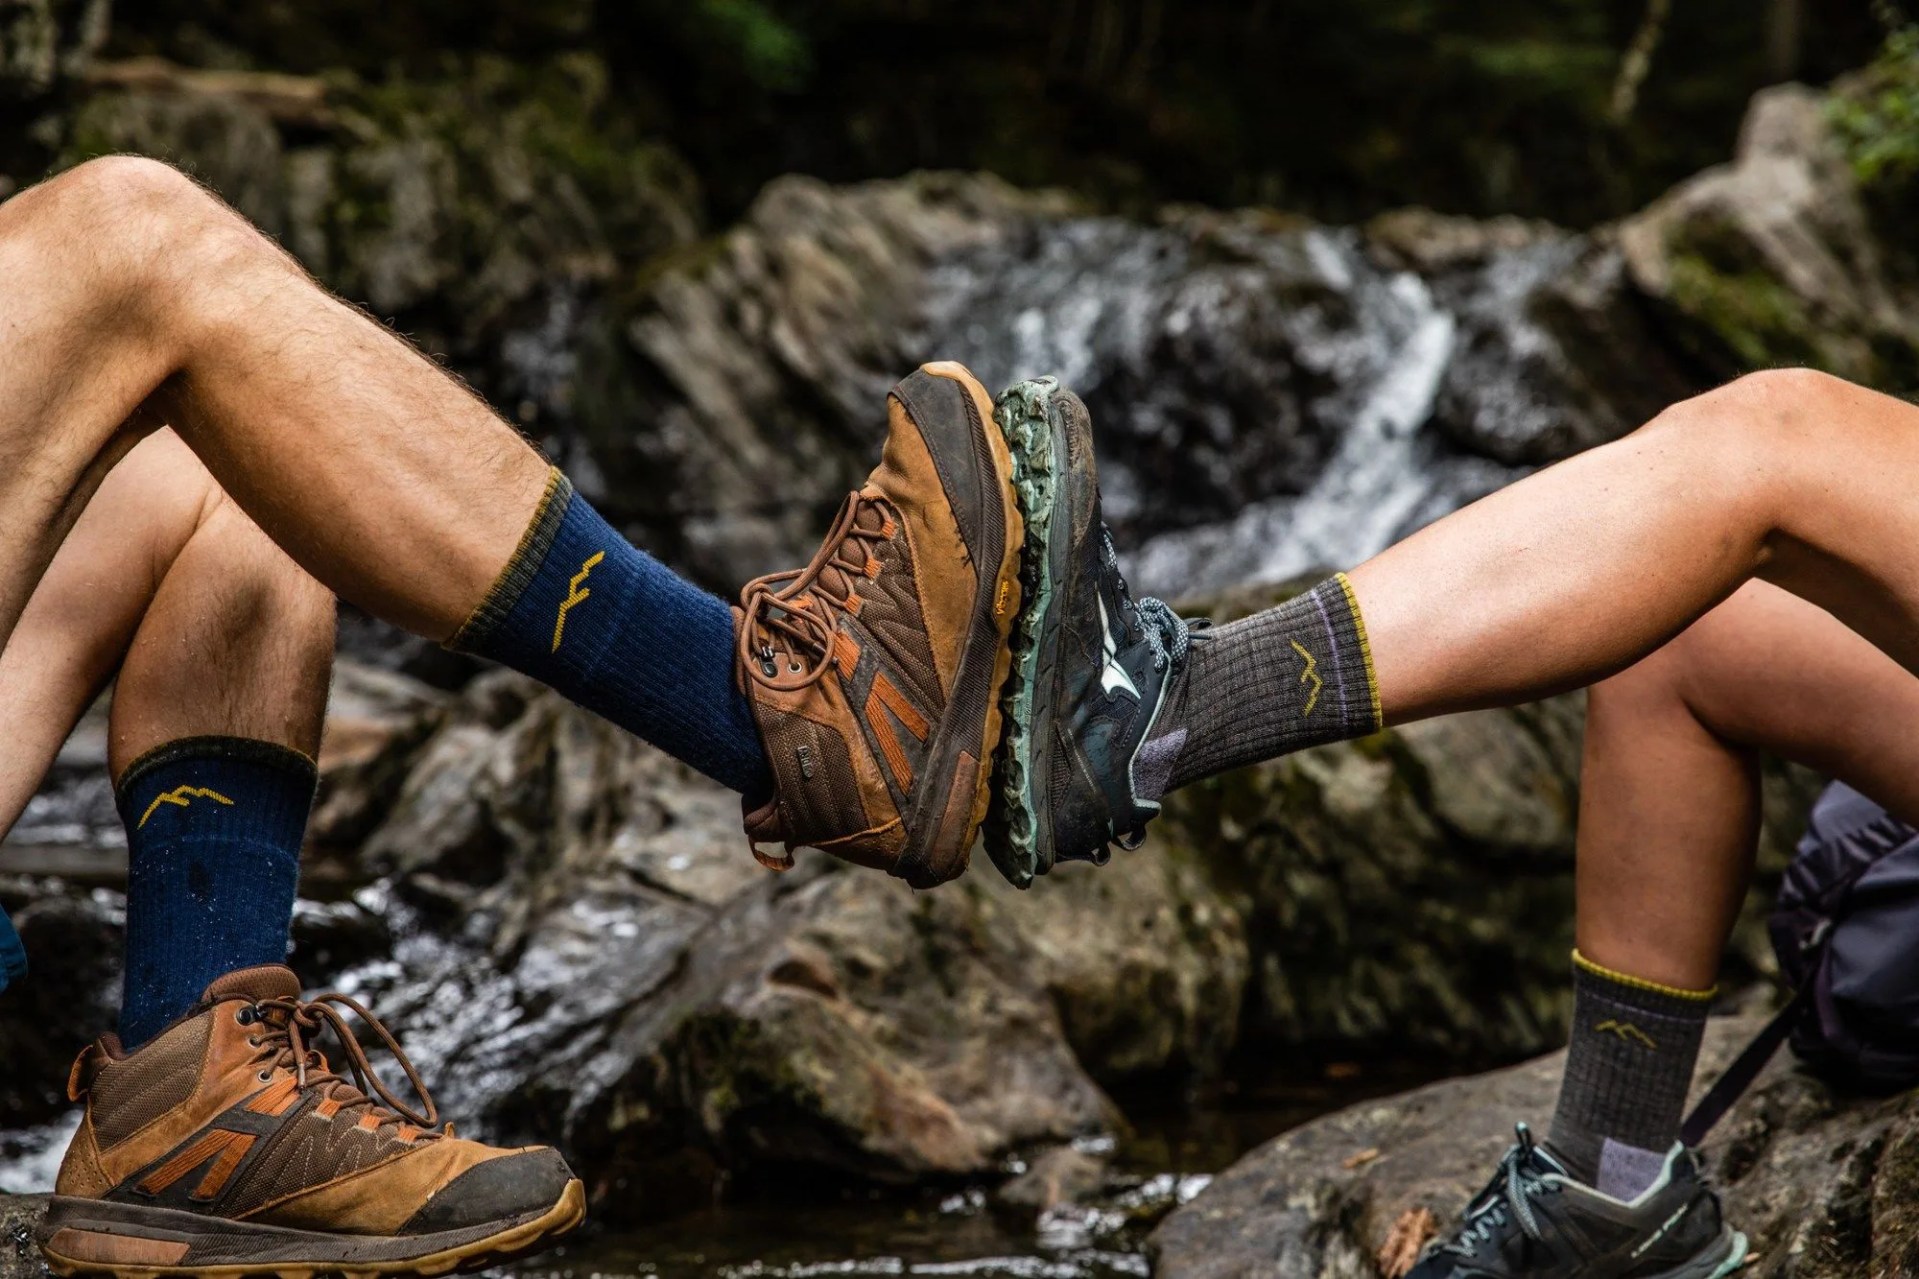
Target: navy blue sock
{"type": "Point", "coordinates": [13, 956]}
{"type": "Point", "coordinates": [214, 826]}
{"type": "Point", "coordinates": [583, 611]}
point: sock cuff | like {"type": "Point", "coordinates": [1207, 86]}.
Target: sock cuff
{"type": "Point", "coordinates": [520, 570]}
{"type": "Point", "coordinates": [295, 772]}
{"type": "Point", "coordinates": [1638, 989]}
{"type": "Point", "coordinates": [1364, 645]}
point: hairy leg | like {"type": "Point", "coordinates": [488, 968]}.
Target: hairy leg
{"type": "Point", "coordinates": [218, 630]}
{"type": "Point", "coordinates": [128, 297]}
{"type": "Point", "coordinates": [1577, 572]}
{"type": "Point", "coordinates": [1669, 801]}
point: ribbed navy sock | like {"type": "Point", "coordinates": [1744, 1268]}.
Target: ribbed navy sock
{"type": "Point", "coordinates": [583, 611]}
{"type": "Point", "coordinates": [214, 826]}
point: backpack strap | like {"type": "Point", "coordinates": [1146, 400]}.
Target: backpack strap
{"type": "Point", "coordinates": [1745, 1068]}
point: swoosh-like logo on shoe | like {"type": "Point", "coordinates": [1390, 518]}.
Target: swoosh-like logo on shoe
{"type": "Point", "coordinates": [574, 595]}
{"type": "Point", "coordinates": [1112, 676]}
{"type": "Point", "coordinates": [1309, 674]}
{"type": "Point", "coordinates": [182, 796]}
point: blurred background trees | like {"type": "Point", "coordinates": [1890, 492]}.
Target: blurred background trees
{"type": "Point", "coordinates": [1335, 108]}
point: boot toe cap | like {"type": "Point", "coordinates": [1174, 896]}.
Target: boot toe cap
{"type": "Point", "coordinates": [526, 1181]}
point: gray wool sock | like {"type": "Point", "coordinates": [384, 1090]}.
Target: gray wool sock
{"type": "Point", "coordinates": [1294, 676]}
{"type": "Point", "coordinates": [1634, 1045]}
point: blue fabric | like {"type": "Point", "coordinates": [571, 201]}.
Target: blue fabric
{"type": "Point", "coordinates": [13, 956]}
{"type": "Point", "coordinates": [214, 827]}
{"type": "Point", "coordinates": [611, 628]}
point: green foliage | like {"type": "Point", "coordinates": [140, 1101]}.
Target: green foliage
{"type": "Point", "coordinates": [770, 52]}
{"type": "Point", "coordinates": [1876, 117]}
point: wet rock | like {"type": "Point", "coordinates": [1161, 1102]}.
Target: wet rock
{"type": "Point", "coordinates": [1270, 395]}
{"type": "Point", "coordinates": [1057, 1176]}
{"type": "Point", "coordinates": [1819, 1182]}
{"type": "Point", "coordinates": [45, 41]}
{"type": "Point", "coordinates": [584, 952]}
{"type": "Point", "coordinates": [19, 1214]}
{"type": "Point", "coordinates": [1772, 258]}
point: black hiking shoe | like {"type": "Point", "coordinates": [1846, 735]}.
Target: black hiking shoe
{"type": "Point", "coordinates": [1533, 1221]}
{"type": "Point", "coordinates": [1091, 666]}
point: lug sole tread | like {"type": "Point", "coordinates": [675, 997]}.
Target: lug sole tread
{"type": "Point", "coordinates": [1012, 821]}
{"type": "Point", "coordinates": [508, 1245]}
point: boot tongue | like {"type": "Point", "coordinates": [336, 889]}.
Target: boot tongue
{"type": "Point", "coordinates": [268, 981]}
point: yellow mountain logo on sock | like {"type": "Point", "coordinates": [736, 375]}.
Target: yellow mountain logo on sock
{"type": "Point", "coordinates": [182, 796]}
{"type": "Point", "coordinates": [575, 594]}
{"type": "Point", "coordinates": [1626, 1031]}
{"type": "Point", "coordinates": [1309, 674]}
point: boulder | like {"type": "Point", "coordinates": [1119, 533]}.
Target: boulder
{"type": "Point", "coordinates": [1772, 259]}
{"type": "Point", "coordinates": [584, 951]}
{"type": "Point", "coordinates": [1822, 1184]}
{"type": "Point", "coordinates": [43, 42]}
{"type": "Point", "coordinates": [19, 1214]}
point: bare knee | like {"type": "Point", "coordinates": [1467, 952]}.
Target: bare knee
{"type": "Point", "coordinates": [1772, 409]}
{"type": "Point", "coordinates": [141, 226]}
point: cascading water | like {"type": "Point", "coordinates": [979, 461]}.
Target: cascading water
{"type": "Point", "coordinates": [1265, 397]}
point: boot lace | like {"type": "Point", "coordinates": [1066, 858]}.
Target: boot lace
{"type": "Point", "coordinates": [1509, 1197]}
{"type": "Point", "coordinates": [288, 1028]}
{"type": "Point", "coordinates": [1167, 634]}
{"type": "Point", "coordinates": [786, 642]}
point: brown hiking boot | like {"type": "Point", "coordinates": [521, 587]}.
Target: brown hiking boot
{"type": "Point", "coordinates": [875, 671]}
{"type": "Point", "coordinates": [226, 1146]}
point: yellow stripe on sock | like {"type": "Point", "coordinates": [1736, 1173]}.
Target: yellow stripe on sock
{"type": "Point", "coordinates": [462, 640]}
{"type": "Point", "coordinates": [1365, 649]}
{"type": "Point", "coordinates": [1640, 983]}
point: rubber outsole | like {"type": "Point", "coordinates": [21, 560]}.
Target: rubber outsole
{"type": "Point", "coordinates": [1735, 1260]}
{"type": "Point", "coordinates": [1005, 607]}
{"type": "Point", "coordinates": [516, 1241]}
{"type": "Point", "coordinates": [1012, 825]}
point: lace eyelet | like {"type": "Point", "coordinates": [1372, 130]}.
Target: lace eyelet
{"type": "Point", "coordinates": [246, 1016]}
{"type": "Point", "coordinates": [795, 667]}
{"type": "Point", "coordinates": [253, 1041]}
{"type": "Point", "coordinates": [265, 1076]}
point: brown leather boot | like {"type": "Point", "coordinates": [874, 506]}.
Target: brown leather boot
{"type": "Point", "coordinates": [875, 671]}
{"type": "Point", "coordinates": [226, 1146]}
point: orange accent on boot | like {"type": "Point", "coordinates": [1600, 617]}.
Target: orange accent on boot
{"type": "Point", "coordinates": [327, 1108]}
{"type": "Point", "coordinates": [883, 699]}
{"type": "Point", "coordinates": [846, 653]}
{"type": "Point", "coordinates": [278, 1099]}
{"type": "Point", "coordinates": [187, 1160]}
{"type": "Point", "coordinates": [895, 701]}
{"type": "Point", "coordinates": [369, 1121]}
{"type": "Point", "coordinates": [222, 1171]}
{"type": "Point", "coordinates": [872, 567]}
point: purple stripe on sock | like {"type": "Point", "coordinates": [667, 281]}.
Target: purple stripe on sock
{"type": "Point", "coordinates": [1332, 637]}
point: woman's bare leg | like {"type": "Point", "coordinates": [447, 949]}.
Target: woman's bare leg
{"type": "Point", "coordinates": [1577, 572]}
{"type": "Point", "coordinates": [1668, 821]}
{"type": "Point", "coordinates": [1669, 798]}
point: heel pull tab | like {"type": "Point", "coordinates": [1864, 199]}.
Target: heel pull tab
{"type": "Point", "coordinates": [86, 1067]}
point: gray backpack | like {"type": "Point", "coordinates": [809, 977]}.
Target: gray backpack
{"type": "Point", "coordinates": [1846, 931]}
